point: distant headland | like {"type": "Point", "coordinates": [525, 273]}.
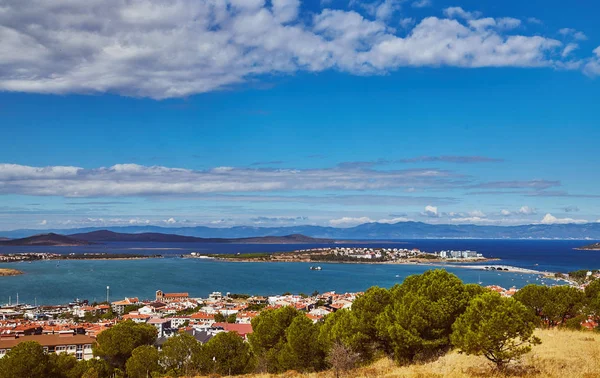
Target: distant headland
{"type": "Point", "coordinates": [45, 240]}
{"type": "Point", "coordinates": [104, 236]}
{"type": "Point", "coordinates": [591, 247]}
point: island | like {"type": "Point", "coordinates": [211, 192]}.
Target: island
{"type": "Point", "coordinates": [45, 240]}
{"type": "Point", "coordinates": [591, 247]}
{"type": "Point", "coordinates": [105, 236]}
{"type": "Point", "coordinates": [9, 272]}
{"type": "Point", "coordinates": [350, 255]}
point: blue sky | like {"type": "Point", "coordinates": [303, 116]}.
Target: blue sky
{"type": "Point", "coordinates": [183, 113]}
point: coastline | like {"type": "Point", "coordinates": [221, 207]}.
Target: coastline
{"type": "Point", "coordinates": [5, 272]}
{"type": "Point", "coordinates": [411, 261]}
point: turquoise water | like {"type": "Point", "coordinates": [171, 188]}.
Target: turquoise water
{"type": "Point", "coordinates": [47, 283]}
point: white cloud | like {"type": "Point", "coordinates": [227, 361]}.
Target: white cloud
{"type": "Point", "coordinates": [431, 211]}
{"type": "Point", "coordinates": [171, 221]}
{"type": "Point", "coordinates": [592, 68]}
{"type": "Point", "coordinates": [526, 210]}
{"type": "Point", "coordinates": [580, 36]}
{"type": "Point", "coordinates": [387, 9]}
{"type": "Point", "coordinates": [421, 3]}
{"type": "Point", "coordinates": [354, 221]}
{"type": "Point", "coordinates": [350, 221]}
{"type": "Point", "coordinates": [505, 212]}
{"type": "Point", "coordinates": [477, 214]}
{"type": "Point", "coordinates": [43, 222]}
{"type": "Point", "coordinates": [569, 48]}
{"type": "Point", "coordinates": [533, 20]}
{"type": "Point", "coordinates": [469, 220]}
{"type": "Point", "coordinates": [551, 219]}
{"type": "Point", "coordinates": [176, 48]}
{"type": "Point", "coordinates": [393, 220]}
{"type": "Point", "coordinates": [285, 10]}
{"type": "Point", "coordinates": [137, 180]}
{"type": "Point", "coordinates": [407, 22]}
{"type": "Point", "coordinates": [458, 12]}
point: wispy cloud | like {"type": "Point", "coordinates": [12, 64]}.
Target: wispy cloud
{"type": "Point", "coordinates": [451, 159]}
{"type": "Point", "coordinates": [569, 32]}
{"type": "Point", "coordinates": [272, 162]}
{"type": "Point", "coordinates": [421, 3]}
{"type": "Point", "coordinates": [138, 180]}
{"type": "Point", "coordinates": [50, 47]}
{"type": "Point", "coordinates": [531, 184]}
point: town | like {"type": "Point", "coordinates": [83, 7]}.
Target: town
{"type": "Point", "coordinates": [351, 254]}
{"type": "Point", "coordinates": [40, 256]}
{"type": "Point", "coordinates": [72, 328]}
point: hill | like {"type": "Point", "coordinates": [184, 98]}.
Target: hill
{"type": "Point", "coordinates": [152, 237]}
{"type": "Point", "coordinates": [591, 247]}
{"type": "Point", "coordinates": [50, 239]}
{"type": "Point", "coordinates": [400, 230]}
{"type": "Point", "coordinates": [572, 354]}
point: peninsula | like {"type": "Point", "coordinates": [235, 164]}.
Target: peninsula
{"type": "Point", "coordinates": [350, 255]}
{"type": "Point", "coordinates": [591, 247]}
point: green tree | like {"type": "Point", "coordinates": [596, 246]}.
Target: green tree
{"type": "Point", "coordinates": [501, 329]}
{"type": "Point", "coordinates": [268, 337]}
{"type": "Point", "coordinates": [116, 344]}
{"type": "Point", "coordinates": [302, 351]}
{"type": "Point", "coordinates": [534, 297]}
{"type": "Point", "coordinates": [225, 354]}
{"type": "Point", "coordinates": [131, 307]}
{"type": "Point", "coordinates": [97, 368]}
{"type": "Point", "coordinates": [177, 354]}
{"type": "Point", "coordinates": [592, 294]}
{"type": "Point", "coordinates": [343, 327]}
{"type": "Point", "coordinates": [231, 318]}
{"type": "Point", "coordinates": [26, 359]}
{"type": "Point", "coordinates": [564, 302]}
{"type": "Point", "coordinates": [219, 318]}
{"type": "Point", "coordinates": [64, 365]}
{"type": "Point", "coordinates": [357, 329]}
{"type": "Point", "coordinates": [418, 322]}
{"type": "Point", "coordinates": [143, 362]}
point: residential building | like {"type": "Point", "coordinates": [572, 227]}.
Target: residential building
{"type": "Point", "coordinates": [80, 346]}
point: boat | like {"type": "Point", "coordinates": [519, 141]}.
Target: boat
{"type": "Point", "coordinates": [315, 268]}
{"type": "Point", "coordinates": [479, 280]}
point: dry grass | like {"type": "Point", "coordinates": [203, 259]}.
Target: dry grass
{"type": "Point", "coordinates": [562, 354]}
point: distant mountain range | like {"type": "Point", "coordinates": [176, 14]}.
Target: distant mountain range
{"type": "Point", "coordinates": [45, 240]}
{"type": "Point", "coordinates": [53, 239]}
{"type": "Point", "coordinates": [401, 230]}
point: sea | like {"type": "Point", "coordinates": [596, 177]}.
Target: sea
{"type": "Point", "coordinates": [57, 282]}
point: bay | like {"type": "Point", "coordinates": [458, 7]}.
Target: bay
{"type": "Point", "coordinates": [46, 283]}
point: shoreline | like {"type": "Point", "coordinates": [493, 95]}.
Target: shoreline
{"type": "Point", "coordinates": [8, 272]}
{"type": "Point", "coordinates": [423, 262]}
{"type": "Point", "coordinates": [450, 262]}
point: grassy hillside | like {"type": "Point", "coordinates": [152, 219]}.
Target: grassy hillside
{"type": "Point", "coordinates": [561, 354]}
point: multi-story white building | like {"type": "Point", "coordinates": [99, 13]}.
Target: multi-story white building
{"type": "Point", "coordinates": [80, 346]}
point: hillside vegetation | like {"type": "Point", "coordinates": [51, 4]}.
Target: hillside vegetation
{"type": "Point", "coordinates": [562, 353]}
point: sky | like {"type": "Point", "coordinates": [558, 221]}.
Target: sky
{"type": "Point", "coordinates": [273, 113]}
